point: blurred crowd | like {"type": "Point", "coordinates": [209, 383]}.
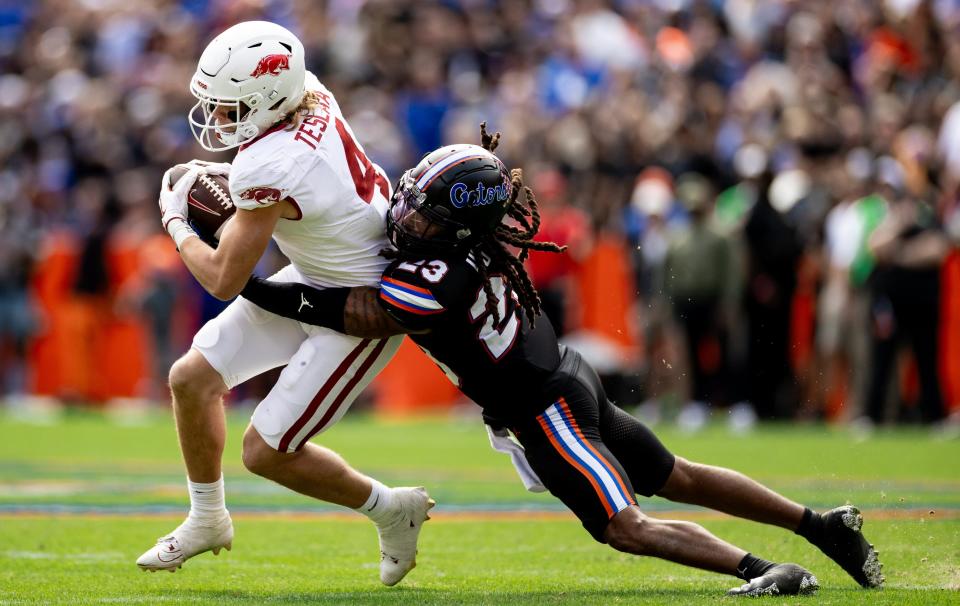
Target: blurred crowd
{"type": "Point", "coordinates": [760, 196]}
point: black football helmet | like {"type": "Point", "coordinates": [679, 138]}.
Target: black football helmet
{"type": "Point", "coordinates": [452, 197]}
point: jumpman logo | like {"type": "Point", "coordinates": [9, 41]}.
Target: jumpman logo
{"type": "Point", "coordinates": [303, 301]}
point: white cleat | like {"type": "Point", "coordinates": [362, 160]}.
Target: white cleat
{"type": "Point", "coordinates": [398, 540]}
{"type": "Point", "coordinates": [187, 540]}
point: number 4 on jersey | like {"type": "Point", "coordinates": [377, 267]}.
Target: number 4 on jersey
{"type": "Point", "coordinates": [361, 170]}
{"type": "Point", "coordinates": [497, 340]}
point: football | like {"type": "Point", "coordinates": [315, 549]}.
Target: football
{"type": "Point", "coordinates": [210, 206]}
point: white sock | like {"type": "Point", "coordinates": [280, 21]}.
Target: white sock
{"type": "Point", "coordinates": [379, 506]}
{"type": "Point", "coordinates": [206, 500]}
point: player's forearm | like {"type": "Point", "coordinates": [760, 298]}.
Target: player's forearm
{"type": "Point", "coordinates": [363, 315]}
{"type": "Point", "coordinates": [353, 311]}
{"type": "Point", "coordinates": [212, 270]}
{"type": "Point", "coordinates": [299, 301]}
{"type": "Point", "coordinates": [224, 272]}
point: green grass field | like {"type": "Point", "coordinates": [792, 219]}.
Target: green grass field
{"type": "Point", "coordinates": [82, 495]}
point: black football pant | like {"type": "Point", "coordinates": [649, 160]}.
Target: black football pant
{"type": "Point", "coordinates": [588, 453]}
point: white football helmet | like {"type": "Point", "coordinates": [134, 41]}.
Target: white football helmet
{"type": "Point", "coordinates": [256, 70]}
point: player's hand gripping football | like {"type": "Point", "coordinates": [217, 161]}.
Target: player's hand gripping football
{"type": "Point", "coordinates": [211, 168]}
{"type": "Point", "coordinates": [173, 204]}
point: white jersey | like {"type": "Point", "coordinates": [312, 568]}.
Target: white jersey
{"type": "Point", "coordinates": [341, 197]}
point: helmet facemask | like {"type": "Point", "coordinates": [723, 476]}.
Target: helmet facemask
{"type": "Point", "coordinates": [415, 226]}
{"type": "Point", "coordinates": [214, 136]}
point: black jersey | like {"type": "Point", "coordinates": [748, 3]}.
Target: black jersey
{"type": "Point", "coordinates": [503, 366]}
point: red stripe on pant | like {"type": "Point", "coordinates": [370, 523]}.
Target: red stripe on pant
{"type": "Point", "coordinates": [346, 391]}
{"type": "Point", "coordinates": [321, 395]}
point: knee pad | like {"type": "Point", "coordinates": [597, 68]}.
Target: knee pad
{"type": "Point", "coordinates": [269, 422]}
{"type": "Point", "coordinates": [219, 347]}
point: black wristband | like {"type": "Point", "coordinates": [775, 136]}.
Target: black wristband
{"type": "Point", "coordinates": [317, 306]}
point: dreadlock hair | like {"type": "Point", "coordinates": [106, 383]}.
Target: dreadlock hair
{"type": "Point", "coordinates": [494, 245]}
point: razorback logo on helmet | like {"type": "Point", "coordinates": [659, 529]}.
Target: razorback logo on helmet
{"type": "Point", "coordinates": [271, 65]}
{"type": "Point", "coordinates": [201, 84]}
{"type": "Point", "coordinates": [261, 195]}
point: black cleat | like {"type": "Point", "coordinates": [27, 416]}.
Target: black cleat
{"type": "Point", "coordinates": [782, 579]}
{"type": "Point", "coordinates": [843, 543]}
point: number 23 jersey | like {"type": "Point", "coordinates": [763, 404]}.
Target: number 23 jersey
{"type": "Point", "coordinates": [499, 365]}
